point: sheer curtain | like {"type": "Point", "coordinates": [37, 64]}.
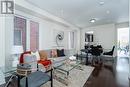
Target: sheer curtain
{"type": "Point", "coordinates": [34, 36]}
{"type": "Point", "coordinates": [71, 40]}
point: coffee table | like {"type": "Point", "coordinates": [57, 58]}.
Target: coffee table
{"type": "Point", "coordinates": [61, 73]}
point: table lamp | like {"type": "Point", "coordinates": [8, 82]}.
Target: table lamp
{"type": "Point", "coordinates": [16, 51]}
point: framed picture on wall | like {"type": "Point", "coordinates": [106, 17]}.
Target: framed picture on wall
{"type": "Point", "coordinates": [88, 37]}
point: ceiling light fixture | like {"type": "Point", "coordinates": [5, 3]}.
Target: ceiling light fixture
{"type": "Point", "coordinates": [101, 3]}
{"type": "Point", "coordinates": [93, 20]}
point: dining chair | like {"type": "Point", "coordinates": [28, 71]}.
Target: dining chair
{"type": "Point", "coordinates": [108, 57]}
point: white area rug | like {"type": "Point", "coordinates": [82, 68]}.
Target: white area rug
{"type": "Point", "coordinates": [77, 78]}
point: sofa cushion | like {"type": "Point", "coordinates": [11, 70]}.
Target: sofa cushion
{"type": "Point", "coordinates": [31, 60]}
{"type": "Point", "coordinates": [43, 55]}
{"type": "Point", "coordinates": [60, 53]}
{"type": "Point", "coordinates": [59, 61]}
{"type": "Point", "coordinates": [36, 54]}
{"type": "Point", "coordinates": [21, 59]}
{"type": "Point", "coordinates": [45, 63]}
{"type": "Point", "coordinates": [35, 79]}
{"type": "Point", "coordinates": [53, 53]}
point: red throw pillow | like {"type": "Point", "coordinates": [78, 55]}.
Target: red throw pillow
{"type": "Point", "coordinates": [21, 59]}
{"type": "Point", "coordinates": [45, 62]}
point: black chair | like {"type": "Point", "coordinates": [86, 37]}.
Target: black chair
{"type": "Point", "coordinates": [108, 58]}
{"type": "Point", "coordinates": [110, 53]}
{"type": "Point", "coordinates": [100, 48]}
{"type": "Point", "coordinates": [96, 52]}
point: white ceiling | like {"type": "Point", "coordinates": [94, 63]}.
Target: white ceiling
{"type": "Point", "coordinates": [79, 12]}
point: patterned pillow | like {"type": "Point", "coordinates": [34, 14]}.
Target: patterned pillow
{"type": "Point", "coordinates": [54, 53]}
{"type": "Point", "coordinates": [31, 60]}
{"type": "Point", "coordinates": [60, 53]}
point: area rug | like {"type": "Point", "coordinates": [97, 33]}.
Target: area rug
{"type": "Point", "coordinates": [77, 78]}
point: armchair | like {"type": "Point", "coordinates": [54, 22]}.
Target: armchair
{"type": "Point", "coordinates": [32, 76]}
{"type": "Point", "coordinates": [43, 60]}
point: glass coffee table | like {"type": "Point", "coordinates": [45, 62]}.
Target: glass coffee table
{"type": "Point", "coordinates": [61, 73]}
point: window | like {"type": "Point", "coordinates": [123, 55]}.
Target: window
{"type": "Point", "coordinates": [34, 36]}
{"type": "Point", "coordinates": [20, 31]}
{"type": "Point", "coordinates": [17, 37]}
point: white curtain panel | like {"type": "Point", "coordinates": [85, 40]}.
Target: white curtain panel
{"type": "Point", "coordinates": [2, 77]}
{"type": "Point", "coordinates": [71, 40]}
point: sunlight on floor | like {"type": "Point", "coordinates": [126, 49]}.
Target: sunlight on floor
{"type": "Point", "coordinates": [122, 70]}
{"type": "Point", "coordinates": [123, 42]}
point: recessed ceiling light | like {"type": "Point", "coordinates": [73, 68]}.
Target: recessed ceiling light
{"type": "Point", "coordinates": [101, 2]}
{"type": "Point", "coordinates": [93, 20]}
{"type": "Point", "coordinates": [108, 12]}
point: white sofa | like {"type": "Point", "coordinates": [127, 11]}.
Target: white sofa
{"type": "Point", "coordinates": [59, 60]}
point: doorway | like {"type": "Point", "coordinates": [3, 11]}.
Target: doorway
{"type": "Point", "coordinates": [123, 42]}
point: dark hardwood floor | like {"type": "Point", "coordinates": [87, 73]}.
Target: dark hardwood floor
{"type": "Point", "coordinates": [110, 76]}
{"type": "Point", "coordinates": [106, 75]}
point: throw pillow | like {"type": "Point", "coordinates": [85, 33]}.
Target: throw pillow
{"type": "Point", "coordinates": [54, 53]}
{"type": "Point", "coordinates": [60, 53]}
{"type": "Point", "coordinates": [36, 54]}
{"type": "Point", "coordinates": [43, 55]}
{"type": "Point", "coordinates": [31, 60]}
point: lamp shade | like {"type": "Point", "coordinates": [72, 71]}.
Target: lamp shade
{"type": "Point", "coordinates": [17, 49]}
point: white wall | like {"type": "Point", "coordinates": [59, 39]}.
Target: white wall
{"type": "Point", "coordinates": [2, 42]}
{"type": "Point", "coordinates": [2, 49]}
{"type": "Point", "coordinates": [122, 25]}
{"type": "Point", "coordinates": [9, 28]}
{"type": "Point", "coordinates": [6, 29]}
{"type": "Point", "coordinates": [103, 34]}
{"type": "Point", "coordinates": [129, 40]}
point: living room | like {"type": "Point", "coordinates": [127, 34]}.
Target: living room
{"type": "Point", "coordinates": [46, 25]}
